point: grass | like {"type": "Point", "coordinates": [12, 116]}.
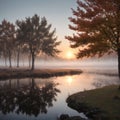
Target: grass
{"type": "Point", "coordinates": [106, 99]}
{"type": "Point", "coordinates": [42, 73]}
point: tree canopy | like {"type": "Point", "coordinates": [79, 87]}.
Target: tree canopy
{"type": "Point", "coordinates": [32, 36]}
{"type": "Point", "coordinates": [36, 35]}
{"type": "Point", "coordinates": [96, 24]}
{"type": "Point", "coordinates": [7, 39]}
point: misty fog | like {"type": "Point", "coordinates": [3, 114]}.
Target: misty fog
{"type": "Point", "coordinates": [104, 65]}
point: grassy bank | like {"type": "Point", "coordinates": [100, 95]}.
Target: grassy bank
{"type": "Point", "coordinates": [42, 73]}
{"type": "Point", "coordinates": [99, 104]}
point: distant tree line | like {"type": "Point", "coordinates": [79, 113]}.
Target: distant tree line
{"type": "Point", "coordinates": [32, 37]}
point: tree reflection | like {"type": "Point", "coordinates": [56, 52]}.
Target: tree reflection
{"type": "Point", "coordinates": [29, 99]}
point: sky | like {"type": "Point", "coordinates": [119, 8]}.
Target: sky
{"type": "Point", "coordinates": [55, 11]}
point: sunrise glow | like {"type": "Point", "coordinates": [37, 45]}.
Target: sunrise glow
{"type": "Point", "coordinates": [70, 55]}
{"type": "Point", "coordinates": [69, 80]}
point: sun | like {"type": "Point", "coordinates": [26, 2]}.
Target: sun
{"type": "Point", "coordinates": [70, 55]}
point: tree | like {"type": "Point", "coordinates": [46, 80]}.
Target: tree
{"type": "Point", "coordinates": [36, 36]}
{"type": "Point", "coordinates": [97, 28]}
{"type": "Point", "coordinates": [20, 48]}
{"type": "Point", "coordinates": [7, 39]}
{"type": "Point", "coordinates": [50, 43]}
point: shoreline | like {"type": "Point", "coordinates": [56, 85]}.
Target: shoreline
{"type": "Point", "coordinates": [101, 103]}
{"type": "Point", "coordinates": [7, 73]}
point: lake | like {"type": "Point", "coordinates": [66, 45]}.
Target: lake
{"type": "Point", "coordinates": [45, 99]}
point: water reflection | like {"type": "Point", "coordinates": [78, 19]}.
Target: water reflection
{"type": "Point", "coordinates": [105, 80]}
{"type": "Point", "coordinates": [69, 80]}
{"type": "Point", "coordinates": [26, 98]}
{"type": "Point", "coordinates": [30, 99]}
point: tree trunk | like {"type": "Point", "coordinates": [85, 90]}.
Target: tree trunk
{"type": "Point", "coordinates": [33, 60]}
{"type": "Point", "coordinates": [5, 61]}
{"type": "Point", "coordinates": [29, 58]}
{"type": "Point", "coordinates": [119, 62]}
{"type": "Point", "coordinates": [18, 58]}
{"type": "Point", "coordinates": [10, 65]}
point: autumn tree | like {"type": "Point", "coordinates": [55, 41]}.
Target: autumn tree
{"type": "Point", "coordinates": [20, 47]}
{"type": "Point", "coordinates": [36, 35]}
{"type": "Point", "coordinates": [97, 28]}
{"type": "Point", "coordinates": [7, 40]}
{"type": "Point", "coordinates": [17, 49]}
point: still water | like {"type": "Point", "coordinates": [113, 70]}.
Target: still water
{"type": "Point", "coordinates": [45, 99]}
